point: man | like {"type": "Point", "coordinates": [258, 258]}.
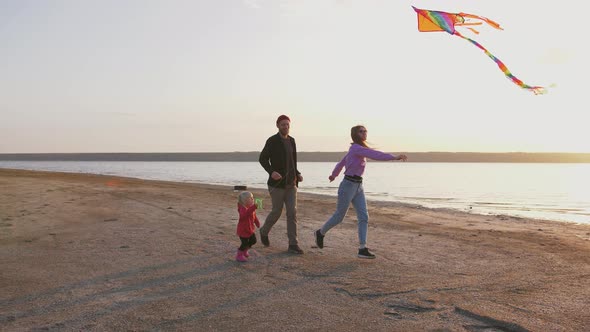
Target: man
{"type": "Point", "coordinates": [279, 159]}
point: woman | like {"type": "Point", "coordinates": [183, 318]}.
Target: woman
{"type": "Point", "coordinates": [351, 187]}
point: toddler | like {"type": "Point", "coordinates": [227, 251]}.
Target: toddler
{"type": "Point", "coordinates": [247, 211]}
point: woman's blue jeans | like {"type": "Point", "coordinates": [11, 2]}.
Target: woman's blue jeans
{"type": "Point", "coordinates": [350, 192]}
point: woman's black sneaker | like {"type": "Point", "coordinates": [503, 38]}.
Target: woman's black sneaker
{"type": "Point", "coordinates": [319, 239]}
{"type": "Point", "coordinates": [364, 253]}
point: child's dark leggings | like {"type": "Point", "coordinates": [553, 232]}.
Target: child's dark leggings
{"type": "Point", "coordinates": [247, 242]}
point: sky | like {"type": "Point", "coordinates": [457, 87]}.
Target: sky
{"type": "Point", "coordinates": [213, 75]}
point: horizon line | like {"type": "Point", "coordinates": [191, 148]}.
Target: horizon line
{"type": "Point", "coordinates": [255, 151]}
{"type": "Point", "coordinates": [335, 156]}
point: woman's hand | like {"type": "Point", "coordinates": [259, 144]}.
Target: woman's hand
{"type": "Point", "coordinates": [402, 157]}
{"type": "Point", "coordinates": [331, 178]}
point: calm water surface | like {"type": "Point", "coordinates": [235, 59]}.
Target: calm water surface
{"type": "Point", "coordinates": [545, 191]}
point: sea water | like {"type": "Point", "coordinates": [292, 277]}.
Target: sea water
{"type": "Point", "coordinates": [557, 191]}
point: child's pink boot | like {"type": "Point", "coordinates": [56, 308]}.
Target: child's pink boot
{"type": "Point", "coordinates": [240, 256]}
{"type": "Point", "coordinates": [246, 254]}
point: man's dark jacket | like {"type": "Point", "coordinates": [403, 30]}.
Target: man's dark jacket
{"type": "Point", "coordinates": [273, 158]}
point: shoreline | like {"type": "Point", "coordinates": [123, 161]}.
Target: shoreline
{"type": "Point", "coordinates": [325, 196]}
{"type": "Point", "coordinates": [96, 252]}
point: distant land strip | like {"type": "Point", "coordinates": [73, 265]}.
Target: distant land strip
{"type": "Point", "coordinates": [447, 157]}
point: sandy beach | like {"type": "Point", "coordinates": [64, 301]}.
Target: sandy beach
{"type": "Point", "coordinates": [97, 253]}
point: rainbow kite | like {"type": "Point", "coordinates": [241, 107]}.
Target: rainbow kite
{"type": "Point", "coordinates": [430, 20]}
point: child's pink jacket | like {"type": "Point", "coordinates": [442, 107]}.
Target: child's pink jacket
{"type": "Point", "coordinates": [247, 220]}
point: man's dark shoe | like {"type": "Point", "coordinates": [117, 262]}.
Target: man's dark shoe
{"type": "Point", "coordinates": [294, 249]}
{"type": "Point", "coordinates": [319, 239]}
{"type": "Point", "coordinates": [264, 240]}
{"type": "Point", "coordinates": [364, 253]}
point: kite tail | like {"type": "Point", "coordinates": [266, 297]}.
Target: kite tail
{"type": "Point", "coordinates": [485, 19]}
{"type": "Point", "coordinates": [535, 89]}
{"type": "Point", "coordinates": [474, 31]}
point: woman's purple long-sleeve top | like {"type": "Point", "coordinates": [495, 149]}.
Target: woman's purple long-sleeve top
{"type": "Point", "coordinates": [355, 160]}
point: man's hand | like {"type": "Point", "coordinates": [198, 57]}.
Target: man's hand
{"type": "Point", "coordinates": [276, 176]}
{"type": "Point", "coordinates": [299, 178]}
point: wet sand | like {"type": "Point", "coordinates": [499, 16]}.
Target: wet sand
{"type": "Point", "coordinates": [99, 253]}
